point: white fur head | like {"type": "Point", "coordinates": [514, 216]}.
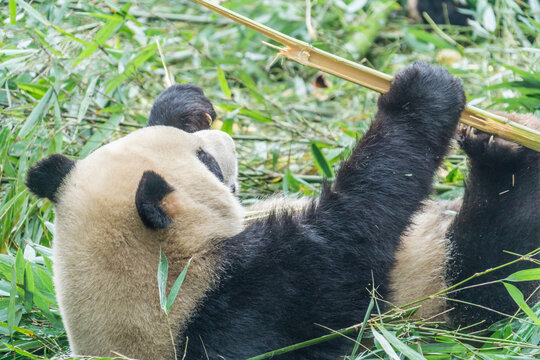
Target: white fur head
{"type": "Point", "coordinates": [115, 211]}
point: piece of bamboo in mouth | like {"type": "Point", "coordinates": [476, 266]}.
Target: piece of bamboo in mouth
{"type": "Point", "coordinates": [308, 55]}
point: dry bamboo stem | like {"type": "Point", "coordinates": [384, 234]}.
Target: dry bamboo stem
{"type": "Point", "coordinates": [308, 55]}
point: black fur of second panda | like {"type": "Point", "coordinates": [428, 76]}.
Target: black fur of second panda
{"type": "Point", "coordinates": [500, 213]}
{"type": "Point", "coordinates": [442, 11]}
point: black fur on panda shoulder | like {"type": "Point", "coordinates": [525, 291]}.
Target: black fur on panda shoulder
{"type": "Point", "coordinates": [289, 272]}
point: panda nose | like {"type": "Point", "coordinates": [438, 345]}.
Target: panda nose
{"type": "Point", "coordinates": [233, 188]}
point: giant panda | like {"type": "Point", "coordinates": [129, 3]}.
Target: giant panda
{"type": "Point", "coordinates": [256, 286]}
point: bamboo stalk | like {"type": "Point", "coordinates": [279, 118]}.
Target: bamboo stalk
{"type": "Point", "coordinates": [308, 55]}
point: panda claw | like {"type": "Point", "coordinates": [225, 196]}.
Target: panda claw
{"type": "Point", "coordinates": [492, 149]}
{"type": "Point", "coordinates": [470, 132]}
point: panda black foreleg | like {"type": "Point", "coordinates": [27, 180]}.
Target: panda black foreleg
{"type": "Point", "coordinates": [390, 171]}
{"type": "Point", "coordinates": [286, 273]}
{"type": "Point", "coordinates": [500, 211]}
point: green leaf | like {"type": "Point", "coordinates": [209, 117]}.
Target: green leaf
{"type": "Point", "coordinates": [36, 15]}
{"type": "Point", "coordinates": [430, 39]}
{"type": "Point", "coordinates": [445, 348]}
{"type": "Point", "coordinates": [223, 83]}
{"type": "Point", "coordinates": [531, 75]}
{"type": "Point", "coordinates": [163, 270]}
{"type": "Point", "coordinates": [37, 114]}
{"type": "Point", "coordinates": [525, 275]}
{"type": "Point", "coordinates": [22, 352]}
{"type": "Point", "coordinates": [19, 266]}
{"type": "Point", "coordinates": [400, 346]}
{"type": "Point", "coordinates": [86, 100]}
{"type": "Point", "coordinates": [255, 115]}
{"type": "Point", "coordinates": [133, 65]}
{"type": "Point", "coordinates": [35, 90]}
{"type": "Point", "coordinates": [518, 298]}
{"type": "Point", "coordinates": [12, 11]}
{"type": "Point", "coordinates": [12, 302]}
{"type": "Point", "coordinates": [385, 345]}
{"type": "Point", "coordinates": [229, 121]}
{"type": "Point", "coordinates": [290, 182]}
{"type": "Point", "coordinates": [29, 287]}
{"type": "Point", "coordinates": [101, 134]}
{"type": "Point", "coordinates": [321, 161]}
{"type": "Point", "coordinates": [176, 286]}
{"type": "Point", "coordinates": [489, 21]}
{"type": "Point", "coordinates": [103, 34]}
{"type": "Point", "coordinates": [363, 328]}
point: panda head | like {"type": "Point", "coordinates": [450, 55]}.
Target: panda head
{"type": "Point", "coordinates": [168, 178]}
{"type": "Point", "coordinates": [165, 189]}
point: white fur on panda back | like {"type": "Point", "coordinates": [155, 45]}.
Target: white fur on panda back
{"type": "Point", "coordinates": [419, 270]}
{"type": "Point", "coordinates": [279, 203]}
{"type": "Point", "coordinates": [106, 261]}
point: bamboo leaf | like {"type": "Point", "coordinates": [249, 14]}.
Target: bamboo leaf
{"type": "Point", "coordinates": [430, 38]}
{"type": "Point", "coordinates": [19, 266]}
{"type": "Point", "coordinates": [321, 161]}
{"type": "Point", "coordinates": [86, 100]}
{"type": "Point", "coordinates": [519, 299]}
{"type": "Point", "coordinates": [176, 286]}
{"type": "Point", "coordinates": [489, 21]}
{"type": "Point", "coordinates": [400, 346]}
{"type": "Point", "coordinates": [163, 270]}
{"type": "Point", "coordinates": [228, 122]}
{"type": "Point", "coordinates": [525, 275]}
{"type": "Point", "coordinates": [133, 65]}
{"type": "Point", "coordinates": [22, 352]}
{"type": "Point", "coordinates": [35, 90]}
{"type": "Point", "coordinates": [26, 332]}
{"type": "Point", "coordinates": [101, 134]}
{"type": "Point", "coordinates": [103, 34]}
{"type": "Point", "coordinates": [12, 302]}
{"type": "Point", "coordinates": [223, 83]}
{"type": "Point", "coordinates": [363, 328]}
{"type": "Point", "coordinates": [35, 14]}
{"type": "Point", "coordinates": [12, 11]}
{"type": "Point", "coordinates": [255, 115]}
{"type": "Point", "coordinates": [29, 287]}
{"type": "Point", "coordinates": [385, 345]}
{"type": "Point", "coordinates": [37, 114]}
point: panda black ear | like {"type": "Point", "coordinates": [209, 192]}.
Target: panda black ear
{"type": "Point", "coordinates": [45, 177]}
{"type": "Point", "coordinates": [183, 106]}
{"type": "Point", "coordinates": [151, 191]}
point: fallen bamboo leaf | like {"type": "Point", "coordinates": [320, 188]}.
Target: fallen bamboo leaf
{"type": "Point", "coordinates": [308, 55]}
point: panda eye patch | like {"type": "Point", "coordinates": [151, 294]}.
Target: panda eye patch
{"type": "Point", "coordinates": [210, 162]}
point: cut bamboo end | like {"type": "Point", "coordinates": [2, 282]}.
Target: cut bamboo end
{"type": "Point", "coordinates": [308, 55]}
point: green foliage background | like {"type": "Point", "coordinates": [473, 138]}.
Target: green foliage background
{"type": "Point", "coordinates": [77, 74]}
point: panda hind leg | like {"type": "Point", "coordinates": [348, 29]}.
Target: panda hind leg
{"type": "Point", "coordinates": [500, 214]}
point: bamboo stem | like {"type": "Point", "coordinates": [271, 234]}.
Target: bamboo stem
{"type": "Point", "coordinates": [308, 55]}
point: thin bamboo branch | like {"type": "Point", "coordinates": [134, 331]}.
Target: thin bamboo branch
{"type": "Point", "coordinates": [308, 55]}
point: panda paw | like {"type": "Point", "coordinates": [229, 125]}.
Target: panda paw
{"type": "Point", "coordinates": [491, 149]}
{"type": "Point", "coordinates": [426, 95]}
